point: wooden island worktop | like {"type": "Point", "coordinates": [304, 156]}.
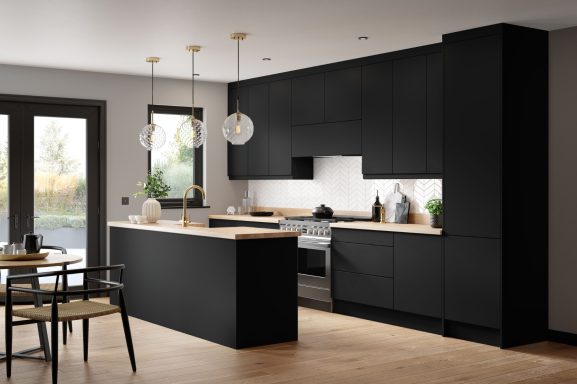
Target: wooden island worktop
{"type": "Point", "coordinates": [233, 286]}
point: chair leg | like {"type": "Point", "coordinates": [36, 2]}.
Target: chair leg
{"type": "Point", "coordinates": [70, 326]}
{"type": "Point", "coordinates": [127, 333]}
{"type": "Point", "coordinates": [8, 333]}
{"type": "Point", "coordinates": [64, 332]}
{"type": "Point", "coordinates": [85, 326]}
{"type": "Point", "coordinates": [54, 327]}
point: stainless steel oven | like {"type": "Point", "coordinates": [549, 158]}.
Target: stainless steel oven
{"type": "Point", "coordinates": [314, 259]}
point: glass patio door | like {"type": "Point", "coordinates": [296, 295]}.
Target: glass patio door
{"type": "Point", "coordinates": [49, 154]}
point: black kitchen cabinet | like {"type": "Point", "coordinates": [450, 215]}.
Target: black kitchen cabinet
{"type": "Point", "coordinates": [268, 154]}
{"type": "Point", "coordinates": [377, 128]}
{"type": "Point", "coordinates": [308, 99]}
{"type": "Point", "coordinates": [258, 145]}
{"type": "Point", "coordinates": [363, 289]}
{"type": "Point", "coordinates": [495, 146]}
{"type": "Point", "coordinates": [435, 113]}
{"type": "Point", "coordinates": [237, 154]}
{"type": "Point", "coordinates": [362, 258]}
{"type": "Point", "coordinates": [472, 279]}
{"type": "Point", "coordinates": [343, 95]}
{"type": "Point", "coordinates": [419, 274]}
{"type": "Point", "coordinates": [472, 137]}
{"type": "Point", "coordinates": [410, 115]}
{"type": "Point", "coordinates": [214, 223]}
{"type": "Point", "coordinates": [280, 155]}
{"type": "Point", "coordinates": [328, 139]}
{"type": "Point", "coordinates": [403, 117]}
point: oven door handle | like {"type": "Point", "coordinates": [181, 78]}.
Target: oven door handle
{"type": "Point", "coordinates": [317, 246]}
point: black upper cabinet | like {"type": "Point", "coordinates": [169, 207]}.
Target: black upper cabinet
{"type": "Point", "coordinates": [308, 99]}
{"type": "Point", "coordinates": [472, 137]}
{"type": "Point", "coordinates": [410, 115]}
{"type": "Point", "coordinates": [280, 128]}
{"type": "Point", "coordinates": [343, 95]}
{"type": "Point", "coordinates": [435, 113]}
{"type": "Point", "coordinates": [377, 125]}
{"type": "Point", "coordinates": [258, 146]}
{"type": "Point", "coordinates": [238, 154]}
{"type": "Point", "coordinates": [403, 117]}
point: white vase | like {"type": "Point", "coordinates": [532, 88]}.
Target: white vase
{"type": "Point", "coordinates": [151, 209]}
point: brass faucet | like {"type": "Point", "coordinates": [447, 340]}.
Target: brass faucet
{"type": "Point", "coordinates": [185, 220]}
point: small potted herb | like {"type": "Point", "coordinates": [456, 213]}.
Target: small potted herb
{"type": "Point", "coordinates": [154, 188]}
{"type": "Point", "coordinates": [435, 208]}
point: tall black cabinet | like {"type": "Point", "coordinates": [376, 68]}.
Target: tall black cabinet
{"type": "Point", "coordinates": [495, 184]}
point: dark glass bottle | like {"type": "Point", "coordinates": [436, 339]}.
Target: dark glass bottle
{"type": "Point", "coordinates": [377, 208]}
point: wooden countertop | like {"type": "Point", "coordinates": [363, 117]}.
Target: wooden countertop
{"type": "Point", "coordinates": [390, 227]}
{"type": "Point", "coordinates": [254, 219]}
{"type": "Point", "coordinates": [230, 233]}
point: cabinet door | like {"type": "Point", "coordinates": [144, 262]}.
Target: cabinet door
{"type": "Point", "coordinates": [280, 128]}
{"type": "Point", "coordinates": [362, 258]}
{"type": "Point", "coordinates": [472, 137]}
{"type": "Point", "coordinates": [377, 130]}
{"type": "Point", "coordinates": [435, 113]}
{"type": "Point", "coordinates": [343, 94]}
{"type": "Point", "coordinates": [419, 274]}
{"type": "Point", "coordinates": [308, 99]}
{"type": "Point", "coordinates": [237, 154]}
{"type": "Point", "coordinates": [363, 289]}
{"type": "Point", "coordinates": [472, 280]}
{"type": "Point", "coordinates": [258, 144]}
{"type": "Point", "coordinates": [410, 115]}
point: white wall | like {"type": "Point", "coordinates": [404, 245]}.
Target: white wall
{"type": "Point", "coordinates": [127, 98]}
{"type": "Point", "coordinates": [562, 181]}
{"type": "Point", "coordinates": [338, 183]}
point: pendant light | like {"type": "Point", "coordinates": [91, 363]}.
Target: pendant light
{"type": "Point", "coordinates": [192, 131]}
{"type": "Point", "coordinates": [238, 127]}
{"type": "Point", "coordinates": [152, 136]}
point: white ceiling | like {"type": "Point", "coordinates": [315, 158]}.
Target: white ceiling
{"type": "Point", "coordinates": [116, 35]}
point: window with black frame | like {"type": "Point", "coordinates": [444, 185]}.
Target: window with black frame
{"type": "Point", "coordinates": [181, 165]}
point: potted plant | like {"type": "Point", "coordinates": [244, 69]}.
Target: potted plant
{"type": "Point", "coordinates": [153, 188]}
{"type": "Point", "coordinates": [435, 208]}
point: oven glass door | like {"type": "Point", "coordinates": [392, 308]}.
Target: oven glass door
{"type": "Point", "coordinates": [312, 260]}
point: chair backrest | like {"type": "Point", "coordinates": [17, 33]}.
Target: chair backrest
{"type": "Point", "coordinates": [56, 248]}
{"type": "Point", "coordinates": [105, 286]}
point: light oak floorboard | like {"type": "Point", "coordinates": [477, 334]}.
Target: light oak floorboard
{"type": "Point", "coordinates": [331, 349]}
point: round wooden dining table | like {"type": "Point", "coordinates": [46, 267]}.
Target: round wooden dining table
{"type": "Point", "coordinates": [31, 266]}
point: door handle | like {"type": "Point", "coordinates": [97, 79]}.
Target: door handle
{"type": "Point", "coordinates": [28, 217]}
{"type": "Point", "coordinates": [16, 221]}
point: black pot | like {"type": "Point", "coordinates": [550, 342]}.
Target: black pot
{"type": "Point", "coordinates": [323, 212]}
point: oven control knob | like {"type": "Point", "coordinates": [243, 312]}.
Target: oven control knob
{"type": "Point", "coordinates": [327, 232]}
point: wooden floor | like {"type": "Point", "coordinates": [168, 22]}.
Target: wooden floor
{"type": "Point", "coordinates": [331, 349]}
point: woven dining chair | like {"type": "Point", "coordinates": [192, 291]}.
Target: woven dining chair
{"type": "Point", "coordinates": [49, 287]}
{"type": "Point", "coordinates": [62, 312]}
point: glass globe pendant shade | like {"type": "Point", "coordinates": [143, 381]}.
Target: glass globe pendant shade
{"type": "Point", "coordinates": [152, 136]}
{"type": "Point", "coordinates": [238, 128]}
{"type": "Point", "coordinates": [192, 132]}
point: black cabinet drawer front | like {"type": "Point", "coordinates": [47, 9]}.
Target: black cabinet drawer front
{"type": "Point", "coordinates": [362, 258]}
{"type": "Point", "coordinates": [362, 237]}
{"type": "Point", "coordinates": [327, 139]}
{"type": "Point", "coordinates": [363, 289]}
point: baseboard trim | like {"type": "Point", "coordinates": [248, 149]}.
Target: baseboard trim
{"type": "Point", "coordinates": [562, 337]}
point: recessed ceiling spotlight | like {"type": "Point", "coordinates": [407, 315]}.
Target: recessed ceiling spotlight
{"type": "Point", "coordinates": [266, 59]}
{"type": "Point", "coordinates": [363, 37]}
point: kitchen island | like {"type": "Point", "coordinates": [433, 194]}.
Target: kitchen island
{"type": "Point", "coordinates": [233, 286]}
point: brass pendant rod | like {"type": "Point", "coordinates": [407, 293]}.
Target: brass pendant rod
{"type": "Point", "coordinates": [192, 115]}
{"type": "Point", "coordinates": [237, 75]}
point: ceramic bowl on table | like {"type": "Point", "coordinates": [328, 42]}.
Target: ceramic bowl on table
{"type": "Point", "coordinates": [140, 219]}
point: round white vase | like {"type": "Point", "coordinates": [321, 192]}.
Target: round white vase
{"type": "Point", "coordinates": [151, 209]}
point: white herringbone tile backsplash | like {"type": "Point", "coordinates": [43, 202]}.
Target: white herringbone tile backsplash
{"type": "Point", "coordinates": [338, 182]}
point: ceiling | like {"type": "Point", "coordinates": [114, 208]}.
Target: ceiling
{"type": "Point", "coordinates": [115, 36]}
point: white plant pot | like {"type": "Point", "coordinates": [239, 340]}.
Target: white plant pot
{"type": "Point", "coordinates": [151, 209]}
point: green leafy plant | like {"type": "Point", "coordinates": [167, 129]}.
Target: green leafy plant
{"type": "Point", "coordinates": [154, 187]}
{"type": "Point", "coordinates": [434, 206]}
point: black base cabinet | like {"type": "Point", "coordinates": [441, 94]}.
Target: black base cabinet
{"type": "Point", "coordinates": [496, 106]}
{"type": "Point", "coordinates": [392, 278]}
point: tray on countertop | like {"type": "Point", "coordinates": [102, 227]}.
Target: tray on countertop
{"type": "Point", "coordinates": [26, 257]}
{"type": "Point", "coordinates": [262, 213]}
